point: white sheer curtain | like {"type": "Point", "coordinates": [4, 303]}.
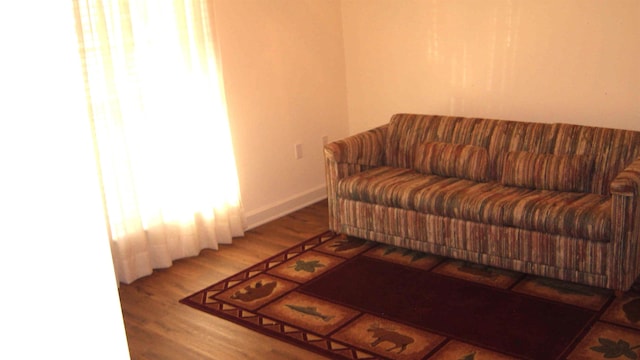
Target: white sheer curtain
{"type": "Point", "coordinates": [161, 131]}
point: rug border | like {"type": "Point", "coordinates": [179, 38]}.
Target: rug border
{"type": "Point", "coordinates": [355, 352]}
{"type": "Point", "coordinates": [329, 233]}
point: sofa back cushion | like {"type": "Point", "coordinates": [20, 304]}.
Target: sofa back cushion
{"type": "Point", "coordinates": [453, 160]}
{"type": "Point", "coordinates": [512, 136]}
{"type": "Point", "coordinates": [611, 149]}
{"type": "Point", "coordinates": [546, 171]}
{"type": "Point", "coordinates": [407, 132]}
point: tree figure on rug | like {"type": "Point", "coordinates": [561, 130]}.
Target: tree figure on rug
{"type": "Point", "coordinates": [308, 266]}
{"type": "Point", "coordinates": [400, 341]}
{"type": "Point", "coordinates": [415, 255]}
{"type": "Point", "coordinates": [348, 244]}
{"type": "Point", "coordinates": [470, 356]}
{"type": "Point", "coordinates": [484, 271]}
{"type": "Point", "coordinates": [564, 287]}
{"type": "Point", "coordinates": [612, 350]}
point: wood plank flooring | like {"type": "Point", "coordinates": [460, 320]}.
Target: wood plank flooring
{"type": "Point", "coordinates": [158, 327]}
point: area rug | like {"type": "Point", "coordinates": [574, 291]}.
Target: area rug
{"type": "Point", "coordinates": [348, 298]}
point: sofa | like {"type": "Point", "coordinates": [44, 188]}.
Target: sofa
{"type": "Point", "coordinates": [549, 199]}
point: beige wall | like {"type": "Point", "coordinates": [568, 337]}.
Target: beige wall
{"type": "Point", "coordinates": [575, 61]}
{"type": "Point", "coordinates": [283, 63]}
{"type": "Point", "coordinates": [296, 70]}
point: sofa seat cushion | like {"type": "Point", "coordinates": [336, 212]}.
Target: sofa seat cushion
{"type": "Point", "coordinates": [578, 215]}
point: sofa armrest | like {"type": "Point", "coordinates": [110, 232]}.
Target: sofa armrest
{"type": "Point", "coordinates": [627, 182]}
{"type": "Point", "coordinates": [366, 148]}
{"type": "Point", "coordinates": [350, 156]}
{"type": "Point", "coordinates": [624, 252]}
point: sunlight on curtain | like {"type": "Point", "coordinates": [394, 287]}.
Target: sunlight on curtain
{"type": "Point", "coordinates": [161, 130]}
{"type": "Point", "coordinates": [54, 242]}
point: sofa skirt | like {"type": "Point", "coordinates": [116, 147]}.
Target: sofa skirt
{"type": "Point", "coordinates": [555, 256]}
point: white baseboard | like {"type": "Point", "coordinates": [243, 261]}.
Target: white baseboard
{"type": "Point", "coordinates": [279, 209]}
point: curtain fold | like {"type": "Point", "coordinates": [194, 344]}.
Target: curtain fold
{"type": "Point", "coordinates": [161, 131]}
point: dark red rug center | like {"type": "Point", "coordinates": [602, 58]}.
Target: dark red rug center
{"type": "Point", "coordinates": [510, 322]}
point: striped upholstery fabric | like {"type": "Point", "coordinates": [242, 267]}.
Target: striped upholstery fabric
{"type": "Point", "coordinates": [505, 247]}
{"type": "Point", "coordinates": [378, 188]}
{"type": "Point", "coordinates": [576, 215]}
{"type": "Point", "coordinates": [611, 149]}
{"type": "Point", "coordinates": [408, 131]}
{"type": "Point", "coordinates": [455, 160]}
{"type": "Point", "coordinates": [510, 136]}
{"type": "Point", "coordinates": [365, 149]}
{"type": "Point", "coordinates": [628, 181]}
{"type": "Point", "coordinates": [545, 171]}
{"type": "Point", "coordinates": [350, 156]}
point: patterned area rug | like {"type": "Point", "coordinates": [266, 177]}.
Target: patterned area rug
{"type": "Point", "coordinates": [349, 298]}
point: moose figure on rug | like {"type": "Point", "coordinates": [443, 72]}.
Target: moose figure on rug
{"type": "Point", "coordinates": [381, 334]}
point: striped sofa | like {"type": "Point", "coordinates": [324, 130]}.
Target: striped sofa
{"type": "Point", "coordinates": [555, 200]}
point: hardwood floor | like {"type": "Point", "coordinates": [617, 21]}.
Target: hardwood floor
{"type": "Point", "coordinates": [158, 327]}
